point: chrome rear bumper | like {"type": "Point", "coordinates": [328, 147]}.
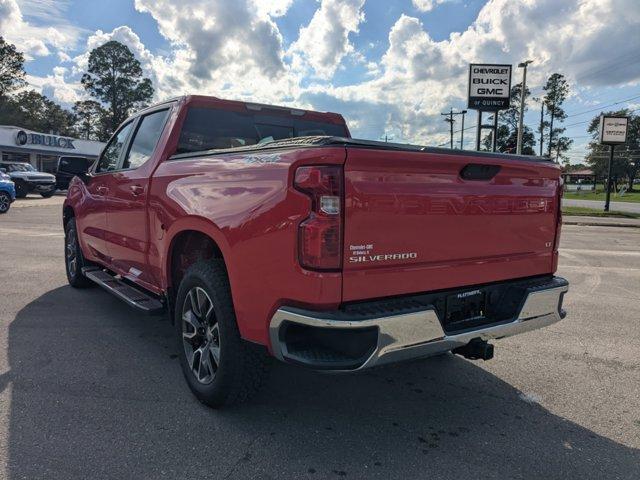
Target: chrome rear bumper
{"type": "Point", "coordinates": [419, 334]}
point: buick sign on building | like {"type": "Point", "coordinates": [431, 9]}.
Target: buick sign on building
{"type": "Point", "coordinates": [42, 150]}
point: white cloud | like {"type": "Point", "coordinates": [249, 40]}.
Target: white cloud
{"type": "Point", "coordinates": [57, 87]}
{"type": "Point", "coordinates": [26, 31]}
{"type": "Point", "coordinates": [235, 50]}
{"type": "Point", "coordinates": [419, 77]}
{"type": "Point", "coordinates": [273, 8]}
{"type": "Point", "coordinates": [64, 57]}
{"type": "Point", "coordinates": [324, 42]}
{"type": "Point", "coordinates": [221, 37]}
{"type": "Point", "coordinates": [426, 5]}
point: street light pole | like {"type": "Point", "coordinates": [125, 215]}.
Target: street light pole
{"type": "Point", "coordinates": [463, 112]}
{"type": "Point", "coordinates": [523, 92]}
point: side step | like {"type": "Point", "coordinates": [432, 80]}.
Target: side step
{"type": "Point", "coordinates": [136, 298]}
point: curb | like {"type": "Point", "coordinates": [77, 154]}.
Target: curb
{"type": "Point", "coordinates": [587, 223]}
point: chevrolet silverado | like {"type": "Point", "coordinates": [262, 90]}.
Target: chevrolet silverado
{"type": "Point", "coordinates": [267, 230]}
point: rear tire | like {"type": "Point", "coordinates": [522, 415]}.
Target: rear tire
{"type": "Point", "coordinates": [73, 258]}
{"type": "Point", "coordinates": [5, 202]}
{"type": "Point", "coordinates": [21, 190]}
{"type": "Point", "coordinates": [47, 194]}
{"type": "Point", "coordinates": [220, 368]}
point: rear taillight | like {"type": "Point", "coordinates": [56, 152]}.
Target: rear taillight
{"type": "Point", "coordinates": [556, 243]}
{"type": "Point", "coordinates": [320, 234]}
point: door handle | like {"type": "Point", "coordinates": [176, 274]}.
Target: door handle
{"type": "Point", "coordinates": [137, 190]}
{"type": "Point", "coordinates": [102, 190]}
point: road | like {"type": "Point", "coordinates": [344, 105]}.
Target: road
{"type": "Point", "coordinates": [91, 389]}
{"type": "Point", "coordinates": [597, 204]}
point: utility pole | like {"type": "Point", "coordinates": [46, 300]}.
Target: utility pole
{"type": "Point", "coordinates": [541, 126]}
{"type": "Point", "coordinates": [463, 112]}
{"type": "Point", "coordinates": [523, 92]}
{"type": "Point", "coordinates": [451, 121]}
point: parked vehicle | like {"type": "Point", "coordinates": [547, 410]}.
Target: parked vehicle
{"type": "Point", "coordinates": [70, 163]}
{"type": "Point", "coordinates": [28, 180]}
{"type": "Point", "coordinates": [7, 192]}
{"type": "Point", "coordinates": [268, 229]}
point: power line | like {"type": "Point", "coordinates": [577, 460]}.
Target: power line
{"type": "Point", "coordinates": [620, 60]}
{"type": "Point", "coordinates": [603, 106]}
{"type": "Point", "coordinates": [451, 121]}
{"type": "Point", "coordinates": [587, 121]}
{"type": "Point", "coordinates": [471, 127]}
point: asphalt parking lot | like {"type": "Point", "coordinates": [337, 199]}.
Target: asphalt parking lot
{"type": "Point", "coordinates": [91, 389]}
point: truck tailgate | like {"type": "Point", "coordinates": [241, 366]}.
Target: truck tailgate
{"type": "Point", "coordinates": [414, 224]}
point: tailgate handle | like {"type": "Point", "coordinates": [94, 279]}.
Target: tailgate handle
{"type": "Point", "coordinates": [477, 171]}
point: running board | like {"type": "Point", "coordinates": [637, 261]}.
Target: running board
{"type": "Point", "coordinates": [134, 297]}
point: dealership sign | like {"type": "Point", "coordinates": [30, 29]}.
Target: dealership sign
{"type": "Point", "coordinates": [613, 130]}
{"type": "Point", "coordinates": [24, 138]}
{"type": "Point", "coordinates": [489, 87]}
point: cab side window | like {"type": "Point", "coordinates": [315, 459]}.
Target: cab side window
{"type": "Point", "coordinates": [145, 139]}
{"type": "Point", "coordinates": [111, 154]}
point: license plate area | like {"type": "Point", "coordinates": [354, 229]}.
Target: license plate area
{"type": "Point", "coordinates": [465, 308]}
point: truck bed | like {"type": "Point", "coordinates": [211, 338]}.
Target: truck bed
{"type": "Point", "coordinates": [419, 219]}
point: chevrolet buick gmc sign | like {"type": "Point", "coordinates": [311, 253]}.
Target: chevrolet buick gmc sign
{"type": "Point", "coordinates": [489, 87]}
{"type": "Point", "coordinates": [24, 138]}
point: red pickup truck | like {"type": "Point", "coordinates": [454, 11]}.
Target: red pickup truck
{"type": "Point", "coordinates": [264, 229]}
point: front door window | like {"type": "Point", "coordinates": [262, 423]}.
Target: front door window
{"type": "Point", "coordinates": [111, 154]}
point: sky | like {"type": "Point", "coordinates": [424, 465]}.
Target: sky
{"type": "Point", "coordinates": [390, 67]}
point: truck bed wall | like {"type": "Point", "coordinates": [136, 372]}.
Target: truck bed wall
{"type": "Point", "coordinates": [246, 203]}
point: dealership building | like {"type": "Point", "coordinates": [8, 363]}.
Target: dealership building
{"type": "Point", "coordinates": [42, 150]}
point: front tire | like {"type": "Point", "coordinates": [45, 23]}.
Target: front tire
{"type": "Point", "coordinates": [5, 202]}
{"type": "Point", "coordinates": [47, 194]}
{"type": "Point", "coordinates": [73, 258]}
{"type": "Point", "coordinates": [220, 367]}
{"type": "Point", "coordinates": [21, 190]}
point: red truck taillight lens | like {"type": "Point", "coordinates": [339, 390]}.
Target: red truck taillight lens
{"type": "Point", "coordinates": [320, 235]}
{"type": "Point", "coordinates": [556, 242]}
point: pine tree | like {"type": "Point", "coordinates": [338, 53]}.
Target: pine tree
{"type": "Point", "coordinates": [88, 116]}
{"type": "Point", "coordinates": [115, 78]}
{"type": "Point", "coordinates": [12, 72]}
{"type": "Point", "coordinates": [556, 91]}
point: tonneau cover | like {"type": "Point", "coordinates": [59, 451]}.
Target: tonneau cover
{"type": "Point", "coordinates": [324, 141]}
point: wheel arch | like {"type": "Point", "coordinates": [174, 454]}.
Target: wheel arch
{"type": "Point", "coordinates": [67, 214]}
{"type": "Point", "coordinates": [189, 242]}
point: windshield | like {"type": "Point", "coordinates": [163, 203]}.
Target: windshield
{"type": "Point", "coordinates": [209, 128]}
{"type": "Point", "coordinates": [19, 167]}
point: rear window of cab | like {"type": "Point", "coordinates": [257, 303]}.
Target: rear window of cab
{"type": "Point", "coordinates": [210, 128]}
